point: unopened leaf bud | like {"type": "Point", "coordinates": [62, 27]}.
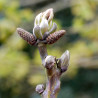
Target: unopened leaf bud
{"type": "Point", "coordinates": [26, 36]}
{"type": "Point", "coordinates": [40, 88]}
{"type": "Point", "coordinates": [64, 60]}
{"type": "Point", "coordinates": [37, 32]}
{"type": "Point", "coordinates": [44, 20]}
{"type": "Point", "coordinates": [38, 19]}
{"type": "Point", "coordinates": [44, 26]}
{"type": "Point", "coordinates": [48, 14]}
{"type": "Point", "coordinates": [53, 29]}
{"type": "Point", "coordinates": [49, 61]}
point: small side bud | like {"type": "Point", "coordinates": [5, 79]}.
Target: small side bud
{"type": "Point", "coordinates": [64, 61]}
{"type": "Point", "coordinates": [40, 88]}
{"type": "Point", "coordinates": [48, 14]}
{"type": "Point", "coordinates": [50, 62]}
{"type": "Point", "coordinates": [37, 32]}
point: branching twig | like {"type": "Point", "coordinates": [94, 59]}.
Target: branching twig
{"type": "Point", "coordinates": [40, 37]}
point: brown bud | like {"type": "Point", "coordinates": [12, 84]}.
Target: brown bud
{"type": "Point", "coordinates": [52, 38]}
{"type": "Point", "coordinates": [26, 36]}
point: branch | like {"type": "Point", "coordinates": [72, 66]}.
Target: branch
{"type": "Point", "coordinates": [54, 70]}
{"type": "Point", "coordinates": [54, 67]}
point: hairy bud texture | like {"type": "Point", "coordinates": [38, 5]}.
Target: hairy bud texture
{"type": "Point", "coordinates": [52, 38]}
{"type": "Point", "coordinates": [26, 36]}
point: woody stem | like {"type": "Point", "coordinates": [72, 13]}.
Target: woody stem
{"type": "Point", "coordinates": [53, 76]}
{"type": "Point", "coordinates": [43, 52]}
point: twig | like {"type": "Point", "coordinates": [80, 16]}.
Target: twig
{"type": "Point", "coordinates": [54, 67]}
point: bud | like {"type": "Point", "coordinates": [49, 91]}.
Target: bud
{"type": "Point", "coordinates": [38, 19]}
{"type": "Point", "coordinates": [52, 38]}
{"type": "Point", "coordinates": [37, 32]}
{"type": "Point", "coordinates": [43, 20]}
{"type": "Point", "coordinates": [53, 29]}
{"type": "Point", "coordinates": [64, 61]}
{"type": "Point", "coordinates": [50, 25]}
{"type": "Point", "coordinates": [49, 61]}
{"type": "Point", "coordinates": [44, 26]}
{"type": "Point", "coordinates": [48, 14]}
{"type": "Point", "coordinates": [40, 88]}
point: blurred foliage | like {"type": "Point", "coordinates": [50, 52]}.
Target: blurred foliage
{"type": "Point", "coordinates": [20, 63]}
{"type": "Point", "coordinates": [84, 85]}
